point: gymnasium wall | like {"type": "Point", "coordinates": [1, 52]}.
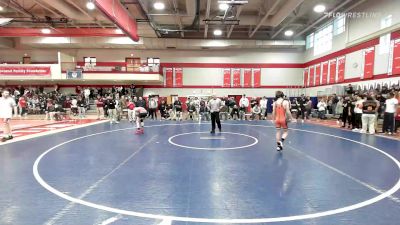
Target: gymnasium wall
{"type": "Point", "coordinates": [360, 35]}
{"type": "Point", "coordinates": [361, 30]}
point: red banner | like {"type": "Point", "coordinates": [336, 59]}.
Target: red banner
{"type": "Point", "coordinates": [247, 78]}
{"type": "Point", "coordinates": [332, 71]}
{"type": "Point", "coordinates": [317, 74]}
{"type": "Point", "coordinates": [169, 82]}
{"type": "Point", "coordinates": [369, 58]}
{"type": "Point", "coordinates": [257, 77]}
{"type": "Point", "coordinates": [396, 57]}
{"type": "Point", "coordinates": [227, 78]}
{"type": "Point", "coordinates": [311, 82]}
{"type": "Point", "coordinates": [178, 77]}
{"type": "Point", "coordinates": [340, 72]}
{"type": "Point", "coordinates": [118, 14]}
{"type": "Point", "coordinates": [305, 77]}
{"type": "Point", "coordinates": [236, 77]}
{"type": "Point", "coordinates": [25, 71]}
{"type": "Point", "coordinates": [324, 73]}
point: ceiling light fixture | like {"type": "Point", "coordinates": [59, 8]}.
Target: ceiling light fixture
{"type": "Point", "coordinates": [319, 8]}
{"type": "Point", "coordinates": [223, 6]}
{"type": "Point", "coordinates": [118, 31]}
{"type": "Point", "coordinates": [1, 8]}
{"type": "Point", "coordinates": [288, 33]}
{"type": "Point", "coordinates": [46, 31]}
{"type": "Point", "coordinates": [159, 5]}
{"type": "Point", "coordinates": [90, 5]}
{"type": "Point", "coordinates": [218, 32]}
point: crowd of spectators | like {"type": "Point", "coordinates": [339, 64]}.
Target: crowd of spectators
{"type": "Point", "coordinates": [361, 108]}
{"type": "Point", "coordinates": [358, 109]}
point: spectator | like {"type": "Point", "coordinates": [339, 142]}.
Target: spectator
{"type": "Point", "coordinates": [321, 109]}
{"type": "Point", "coordinates": [178, 109]}
{"type": "Point", "coordinates": [112, 112]}
{"type": "Point", "coordinates": [153, 105]}
{"type": "Point", "coordinates": [264, 108]}
{"type": "Point", "coordinates": [163, 109]}
{"type": "Point", "coordinates": [131, 112]}
{"type": "Point", "coordinates": [243, 104]}
{"type": "Point", "coordinates": [256, 112]}
{"type": "Point", "coordinates": [358, 111]}
{"type": "Point", "coordinates": [335, 101]}
{"type": "Point", "coordinates": [390, 110]}
{"type": "Point", "coordinates": [339, 111]}
{"type": "Point", "coordinates": [368, 116]}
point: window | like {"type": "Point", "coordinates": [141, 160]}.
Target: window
{"type": "Point", "coordinates": [310, 41]}
{"type": "Point", "coordinates": [339, 25]}
{"type": "Point", "coordinates": [90, 61]}
{"type": "Point", "coordinates": [386, 22]}
{"type": "Point", "coordinates": [384, 40]}
{"type": "Point", "coordinates": [323, 39]}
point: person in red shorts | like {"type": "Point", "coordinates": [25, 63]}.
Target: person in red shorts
{"type": "Point", "coordinates": [22, 104]}
{"type": "Point", "coordinates": [281, 115]}
{"type": "Point", "coordinates": [140, 114]}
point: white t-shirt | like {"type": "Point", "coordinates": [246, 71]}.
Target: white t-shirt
{"type": "Point", "coordinates": [391, 105]}
{"type": "Point", "coordinates": [74, 103]}
{"type": "Point", "coordinates": [321, 106]}
{"type": "Point", "coordinates": [357, 108]}
{"type": "Point", "coordinates": [87, 92]}
{"type": "Point", "coordinates": [215, 105]}
{"type": "Point", "coordinates": [244, 102]}
{"type": "Point", "coordinates": [263, 103]}
{"type": "Point", "coordinates": [6, 107]}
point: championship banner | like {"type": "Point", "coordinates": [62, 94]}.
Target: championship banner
{"type": "Point", "coordinates": [340, 69]}
{"type": "Point", "coordinates": [332, 71]}
{"type": "Point", "coordinates": [247, 78]}
{"type": "Point", "coordinates": [74, 74]}
{"type": "Point", "coordinates": [236, 77]}
{"type": "Point", "coordinates": [396, 57]}
{"type": "Point", "coordinates": [257, 78]}
{"type": "Point", "coordinates": [178, 77]}
{"type": "Point", "coordinates": [324, 73]}
{"type": "Point", "coordinates": [227, 78]}
{"type": "Point", "coordinates": [305, 77]}
{"type": "Point", "coordinates": [169, 82]}
{"type": "Point", "coordinates": [25, 71]}
{"type": "Point", "coordinates": [311, 82]}
{"type": "Point", "coordinates": [317, 74]}
{"type": "Point", "coordinates": [368, 67]}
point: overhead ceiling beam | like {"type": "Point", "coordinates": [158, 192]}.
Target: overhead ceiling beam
{"type": "Point", "coordinates": [45, 7]}
{"type": "Point", "coordinates": [265, 17]}
{"type": "Point", "coordinates": [326, 16]}
{"type": "Point", "coordinates": [17, 9]}
{"type": "Point", "coordinates": [284, 12]}
{"type": "Point", "coordinates": [59, 32]}
{"type": "Point", "coordinates": [283, 27]}
{"type": "Point", "coordinates": [238, 11]}
{"type": "Point", "coordinates": [66, 9]}
{"type": "Point", "coordinates": [177, 17]}
{"type": "Point", "coordinates": [118, 14]}
{"type": "Point", "coordinates": [85, 13]}
{"type": "Point", "coordinates": [208, 9]}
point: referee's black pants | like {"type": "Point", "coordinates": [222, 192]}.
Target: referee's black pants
{"type": "Point", "coordinates": [215, 119]}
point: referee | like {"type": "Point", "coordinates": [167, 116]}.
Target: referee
{"type": "Point", "coordinates": [215, 105]}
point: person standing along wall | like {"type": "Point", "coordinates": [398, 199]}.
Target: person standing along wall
{"type": "Point", "coordinates": [390, 111]}
{"type": "Point", "coordinates": [368, 116]}
{"type": "Point", "coordinates": [7, 104]}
